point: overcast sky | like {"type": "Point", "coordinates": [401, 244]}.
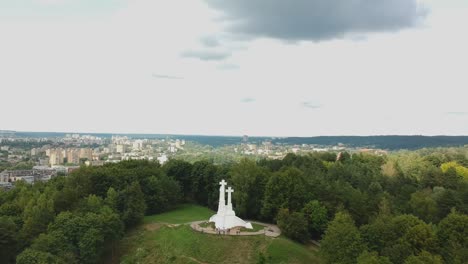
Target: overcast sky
{"type": "Point", "coordinates": [256, 67]}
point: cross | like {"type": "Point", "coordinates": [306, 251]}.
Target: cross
{"type": "Point", "coordinates": [222, 183]}
{"type": "Point", "coordinates": [230, 190]}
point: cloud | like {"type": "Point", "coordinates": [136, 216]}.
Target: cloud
{"type": "Point", "coordinates": [210, 41]}
{"type": "Point", "coordinates": [311, 105]}
{"type": "Point", "coordinates": [248, 100]}
{"type": "Point", "coordinates": [228, 66]}
{"type": "Point", "coordinates": [457, 113]}
{"type": "Point", "coordinates": [316, 20]}
{"type": "Point", "coordinates": [163, 76]}
{"type": "Point", "coordinates": [206, 55]}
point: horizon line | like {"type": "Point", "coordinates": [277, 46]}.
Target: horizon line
{"type": "Point", "coordinates": [237, 135]}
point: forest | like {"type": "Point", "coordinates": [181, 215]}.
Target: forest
{"type": "Point", "coordinates": [407, 207]}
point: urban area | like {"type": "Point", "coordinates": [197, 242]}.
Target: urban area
{"type": "Point", "coordinates": [40, 158]}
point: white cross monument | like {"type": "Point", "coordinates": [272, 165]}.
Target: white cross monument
{"type": "Point", "coordinates": [226, 217]}
{"type": "Point", "coordinates": [222, 202]}
{"type": "Point", "coordinates": [229, 203]}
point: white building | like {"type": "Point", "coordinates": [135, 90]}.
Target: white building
{"type": "Point", "coordinates": [163, 159]}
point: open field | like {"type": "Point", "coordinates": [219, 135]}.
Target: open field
{"type": "Point", "coordinates": [160, 240]}
{"type": "Point", "coordinates": [184, 214]}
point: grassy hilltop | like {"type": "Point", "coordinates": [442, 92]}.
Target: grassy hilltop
{"type": "Point", "coordinates": [164, 238]}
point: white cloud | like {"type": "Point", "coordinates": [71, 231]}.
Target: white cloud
{"type": "Point", "coordinates": [98, 74]}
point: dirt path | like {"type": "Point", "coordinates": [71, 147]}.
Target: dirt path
{"type": "Point", "coordinates": [270, 230]}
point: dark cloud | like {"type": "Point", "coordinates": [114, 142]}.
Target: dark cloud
{"type": "Point", "coordinates": [248, 100]}
{"type": "Point", "coordinates": [206, 55]}
{"type": "Point", "coordinates": [163, 76]}
{"type": "Point", "coordinates": [296, 20]}
{"type": "Point", "coordinates": [311, 105]}
{"type": "Point", "coordinates": [210, 41]}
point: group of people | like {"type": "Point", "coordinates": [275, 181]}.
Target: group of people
{"type": "Point", "coordinates": [220, 231]}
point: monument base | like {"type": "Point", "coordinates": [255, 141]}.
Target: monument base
{"type": "Point", "coordinates": [229, 221]}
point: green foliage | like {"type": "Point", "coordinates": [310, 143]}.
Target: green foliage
{"type": "Point", "coordinates": [134, 206]}
{"type": "Point", "coordinates": [205, 180]}
{"type": "Point", "coordinates": [317, 218]}
{"type": "Point", "coordinates": [31, 256]}
{"type": "Point", "coordinates": [293, 225]}
{"type": "Point", "coordinates": [55, 243]}
{"type": "Point", "coordinates": [89, 246]}
{"type": "Point", "coordinates": [399, 237]}
{"type": "Point", "coordinates": [424, 258]}
{"type": "Point", "coordinates": [249, 182]}
{"type": "Point", "coordinates": [8, 239]}
{"type": "Point", "coordinates": [424, 206]}
{"type": "Point", "coordinates": [285, 189]}
{"type": "Point", "coordinates": [181, 171]}
{"type": "Point", "coordinates": [372, 258]}
{"type": "Point", "coordinates": [460, 170]}
{"type": "Point", "coordinates": [112, 199]}
{"type": "Point", "coordinates": [452, 235]}
{"type": "Point", "coordinates": [342, 242]}
{"type": "Point", "coordinates": [38, 213]}
{"type": "Point", "coordinates": [394, 200]}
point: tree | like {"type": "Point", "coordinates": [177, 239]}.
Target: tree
{"type": "Point", "coordinates": [446, 201]}
{"type": "Point", "coordinates": [8, 239]}
{"type": "Point", "coordinates": [92, 203]}
{"type": "Point", "coordinates": [400, 237]}
{"type": "Point", "coordinates": [249, 182]}
{"type": "Point", "coordinates": [55, 243]}
{"type": "Point", "coordinates": [460, 170]}
{"type": "Point", "coordinates": [134, 206]}
{"type": "Point", "coordinates": [181, 171]}
{"type": "Point", "coordinates": [423, 206]}
{"type": "Point", "coordinates": [424, 258]}
{"type": "Point", "coordinates": [90, 246]}
{"type": "Point", "coordinates": [31, 256]}
{"type": "Point", "coordinates": [317, 218]}
{"type": "Point", "coordinates": [37, 215]}
{"type": "Point", "coordinates": [372, 258]}
{"type": "Point", "coordinates": [293, 225]}
{"type": "Point", "coordinates": [112, 199]}
{"type": "Point", "coordinates": [421, 237]}
{"type": "Point", "coordinates": [285, 189]}
{"type": "Point", "coordinates": [161, 193]}
{"type": "Point", "coordinates": [204, 182]}
{"type": "Point", "coordinates": [378, 233]}
{"type": "Point", "coordinates": [452, 235]}
{"type": "Point", "coordinates": [342, 241]}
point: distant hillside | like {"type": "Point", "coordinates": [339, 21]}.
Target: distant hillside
{"type": "Point", "coordinates": [382, 142]}
{"type": "Point", "coordinates": [6, 132]}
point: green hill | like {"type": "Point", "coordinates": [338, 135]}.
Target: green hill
{"type": "Point", "coordinates": [165, 239]}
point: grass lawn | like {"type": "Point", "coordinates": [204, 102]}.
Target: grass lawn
{"type": "Point", "coordinates": [184, 214]}
{"type": "Point", "coordinates": [256, 228]}
{"type": "Point", "coordinates": [181, 244]}
{"type": "Point", "coordinates": [206, 225]}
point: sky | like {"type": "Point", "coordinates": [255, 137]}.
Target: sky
{"type": "Point", "coordinates": [213, 67]}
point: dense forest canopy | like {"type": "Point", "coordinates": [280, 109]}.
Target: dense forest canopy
{"type": "Point", "coordinates": [408, 207]}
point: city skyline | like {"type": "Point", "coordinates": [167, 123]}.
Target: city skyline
{"type": "Point", "coordinates": [211, 68]}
